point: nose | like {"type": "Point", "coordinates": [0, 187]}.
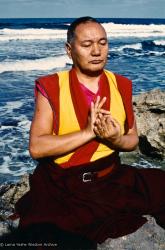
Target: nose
{"type": "Point", "coordinates": [95, 50]}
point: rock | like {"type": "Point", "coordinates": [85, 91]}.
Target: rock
{"type": "Point", "coordinates": [149, 237]}
{"type": "Point", "coordinates": [4, 228]}
{"type": "Point", "coordinates": [9, 194]}
{"type": "Point", "coordinates": [149, 108]}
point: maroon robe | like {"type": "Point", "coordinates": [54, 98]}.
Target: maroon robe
{"type": "Point", "coordinates": [109, 206]}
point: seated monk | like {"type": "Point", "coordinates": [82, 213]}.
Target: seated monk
{"type": "Point", "coordinates": [83, 119]}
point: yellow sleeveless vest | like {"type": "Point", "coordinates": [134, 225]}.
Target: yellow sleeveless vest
{"type": "Point", "coordinates": [68, 122]}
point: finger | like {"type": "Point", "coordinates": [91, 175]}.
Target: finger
{"type": "Point", "coordinates": [104, 111]}
{"type": "Point", "coordinates": [101, 103]}
{"type": "Point", "coordinates": [101, 121]}
{"type": "Point", "coordinates": [100, 115]}
{"type": "Point", "coordinates": [97, 101]}
{"type": "Point", "coordinates": [113, 121]}
{"type": "Point", "coordinates": [107, 117]}
{"type": "Point", "coordinates": [98, 124]}
{"type": "Point", "coordinates": [110, 123]}
{"type": "Point", "coordinates": [105, 125]}
{"type": "Point", "coordinates": [101, 128]}
{"type": "Point", "coordinates": [96, 130]}
{"type": "Point", "coordinates": [98, 121]}
{"type": "Point", "coordinates": [98, 118]}
{"type": "Point", "coordinates": [92, 106]}
{"type": "Point", "coordinates": [92, 110]}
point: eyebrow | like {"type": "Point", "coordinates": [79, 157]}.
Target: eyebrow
{"type": "Point", "coordinates": [89, 40]}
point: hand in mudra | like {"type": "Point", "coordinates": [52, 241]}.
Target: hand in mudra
{"type": "Point", "coordinates": [95, 110]}
{"type": "Point", "coordinates": [107, 127]}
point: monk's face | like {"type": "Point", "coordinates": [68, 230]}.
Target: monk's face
{"type": "Point", "coordinates": [89, 47]}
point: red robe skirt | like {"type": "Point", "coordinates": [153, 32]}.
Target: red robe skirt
{"type": "Point", "coordinates": [104, 207]}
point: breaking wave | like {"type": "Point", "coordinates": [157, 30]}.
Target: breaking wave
{"type": "Point", "coordinates": [112, 29]}
{"type": "Point", "coordinates": [48, 63]}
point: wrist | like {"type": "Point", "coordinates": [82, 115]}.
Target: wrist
{"type": "Point", "coordinates": [116, 141]}
{"type": "Point", "coordinates": [89, 134]}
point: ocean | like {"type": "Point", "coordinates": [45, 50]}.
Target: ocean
{"type": "Point", "coordinates": [30, 48]}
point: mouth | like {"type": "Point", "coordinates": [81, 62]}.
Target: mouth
{"type": "Point", "coordinates": [96, 61]}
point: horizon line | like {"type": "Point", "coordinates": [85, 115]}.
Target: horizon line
{"type": "Point", "coordinates": [77, 17]}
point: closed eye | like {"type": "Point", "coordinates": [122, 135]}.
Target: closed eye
{"type": "Point", "coordinates": [86, 44]}
{"type": "Point", "coordinates": [103, 42]}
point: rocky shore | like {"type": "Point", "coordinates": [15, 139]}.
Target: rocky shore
{"type": "Point", "coordinates": [149, 108]}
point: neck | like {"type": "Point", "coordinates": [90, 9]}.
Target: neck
{"type": "Point", "coordinates": [88, 78]}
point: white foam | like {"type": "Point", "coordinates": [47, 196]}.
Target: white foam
{"type": "Point", "coordinates": [135, 46]}
{"type": "Point", "coordinates": [25, 124]}
{"type": "Point", "coordinates": [138, 46]}
{"type": "Point", "coordinates": [156, 53]}
{"type": "Point", "coordinates": [132, 30]}
{"type": "Point", "coordinates": [8, 166]}
{"type": "Point", "coordinates": [8, 108]}
{"type": "Point", "coordinates": [13, 105]}
{"type": "Point", "coordinates": [19, 170]}
{"type": "Point", "coordinates": [159, 42]}
{"type": "Point", "coordinates": [38, 64]}
{"type": "Point", "coordinates": [31, 34]}
{"type": "Point", "coordinates": [112, 29]}
{"type": "Point", "coordinates": [4, 166]}
{"type": "Point", "coordinates": [3, 127]}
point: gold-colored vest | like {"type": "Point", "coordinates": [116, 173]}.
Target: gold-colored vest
{"type": "Point", "coordinates": [68, 122]}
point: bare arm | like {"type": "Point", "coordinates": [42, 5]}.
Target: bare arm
{"type": "Point", "coordinates": [42, 141]}
{"type": "Point", "coordinates": [109, 129]}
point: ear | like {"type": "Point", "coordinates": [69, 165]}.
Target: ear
{"type": "Point", "coordinates": [68, 49]}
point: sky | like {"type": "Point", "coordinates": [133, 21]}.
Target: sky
{"type": "Point", "coordinates": [76, 8]}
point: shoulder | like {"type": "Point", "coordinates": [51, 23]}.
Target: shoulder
{"type": "Point", "coordinates": [123, 83]}
{"type": "Point", "coordinates": [47, 85]}
{"type": "Point", "coordinates": [52, 78]}
{"type": "Point", "coordinates": [123, 79]}
{"type": "Point", "coordinates": [47, 78]}
{"type": "Point", "coordinates": [120, 79]}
